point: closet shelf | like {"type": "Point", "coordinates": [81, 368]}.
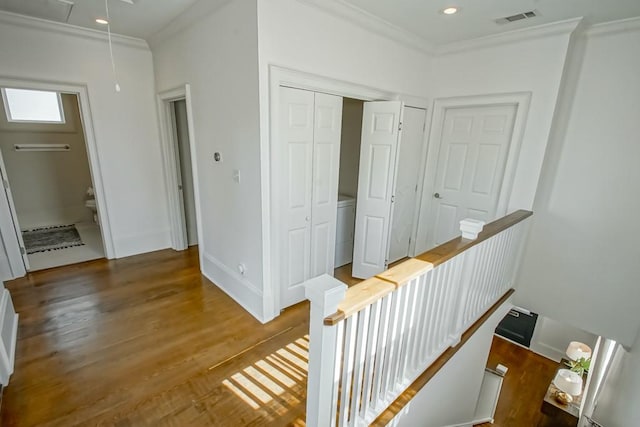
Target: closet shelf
{"type": "Point", "coordinates": [42, 147]}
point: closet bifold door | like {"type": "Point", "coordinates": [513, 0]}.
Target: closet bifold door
{"type": "Point", "coordinates": [324, 199]}
{"type": "Point", "coordinates": [376, 186]}
{"type": "Point", "coordinates": [296, 161]}
{"type": "Point", "coordinates": [309, 147]}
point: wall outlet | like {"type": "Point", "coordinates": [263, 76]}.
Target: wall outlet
{"type": "Point", "coordinates": [242, 269]}
{"type": "Point", "coordinates": [236, 176]}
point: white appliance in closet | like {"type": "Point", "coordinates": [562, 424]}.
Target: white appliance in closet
{"type": "Point", "coordinates": [346, 222]}
{"type": "Point", "coordinates": [307, 163]}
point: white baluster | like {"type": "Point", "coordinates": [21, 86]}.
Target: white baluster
{"type": "Point", "coordinates": [347, 368]}
{"type": "Point", "coordinates": [372, 358]}
{"type": "Point", "coordinates": [358, 371]}
{"type": "Point", "coordinates": [377, 395]}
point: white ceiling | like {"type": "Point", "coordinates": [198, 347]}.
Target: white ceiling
{"type": "Point", "coordinates": [476, 18]}
{"type": "Point", "coordinates": [141, 19]}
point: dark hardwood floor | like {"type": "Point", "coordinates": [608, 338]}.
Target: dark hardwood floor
{"type": "Point", "coordinates": [147, 340]}
{"type": "Point", "coordinates": [524, 385]}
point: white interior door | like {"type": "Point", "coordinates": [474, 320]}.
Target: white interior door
{"type": "Point", "coordinates": [324, 200]}
{"type": "Point", "coordinates": [296, 158]}
{"type": "Point", "coordinates": [406, 187]}
{"type": "Point", "coordinates": [10, 228]}
{"type": "Point", "coordinates": [473, 153]}
{"type": "Point", "coordinates": [376, 180]}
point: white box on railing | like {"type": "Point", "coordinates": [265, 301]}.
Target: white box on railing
{"type": "Point", "coordinates": [470, 228]}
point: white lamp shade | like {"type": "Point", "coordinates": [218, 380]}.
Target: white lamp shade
{"type": "Point", "coordinates": [569, 382]}
{"type": "Point", "coordinates": [578, 350]}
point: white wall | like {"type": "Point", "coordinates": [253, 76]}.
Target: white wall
{"type": "Point", "coordinates": [125, 123]}
{"type": "Point", "coordinates": [617, 405]}
{"type": "Point", "coordinates": [450, 397]}
{"type": "Point", "coordinates": [581, 260]}
{"type": "Point", "coordinates": [525, 61]}
{"type": "Point", "coordinates": [217, 54]}
{"type": "Point", "coordinates": [300, 37]}
{"type": "Point", "coordinates": [350, 146]}
{"type": "Point", "coordinates": [49, 188]}
{"type": "Point", "coordinates": [551, 338]}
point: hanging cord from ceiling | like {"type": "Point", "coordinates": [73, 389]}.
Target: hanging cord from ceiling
{"type": "Point", "coordinates": [113, 62]}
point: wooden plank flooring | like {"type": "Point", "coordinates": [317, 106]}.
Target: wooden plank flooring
{"type": "Point", "coordinates": [524, 385]}
{"type": "Point", "coordinates": [147, 340]}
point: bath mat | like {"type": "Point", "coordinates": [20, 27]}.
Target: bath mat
{"type": "Point", "coordinates": [51, 238]}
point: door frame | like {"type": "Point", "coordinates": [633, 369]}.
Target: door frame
{"type": "Point", "coordinates": [521, 100]}
{"type": "Point", "coordinates": [95, 168]}
{"type": "Point", "coordinates": [271, 229]}
{"type": "Point", "coordinates": [177, 224]}
{"type": "Point", "coordinates": [20, 266]}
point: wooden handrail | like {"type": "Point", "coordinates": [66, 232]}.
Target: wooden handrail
{"type": "Point", "coordinates": [375, 288]}
{"type": "Point", "coordinates": [446, 251]}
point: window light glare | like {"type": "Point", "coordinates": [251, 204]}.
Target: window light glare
{"type": "Point", "coordinates": [37, 106]}
{"type": "Point", "coordinates": [102, 21]}
{"type": "Point", "coordinates": [450, 10]}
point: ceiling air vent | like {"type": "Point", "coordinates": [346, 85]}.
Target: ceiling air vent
{"type": "Point", "coordinates": [517, 17]}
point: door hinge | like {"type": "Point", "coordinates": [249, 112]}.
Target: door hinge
{"type": "Point", "coordinates": [23, 251]}
{"type": "Point", "coordinates": [393, 199]}
{"type": "Point", "coordinates": [5, 183]}
{"type": "Point", "coordinates": [416, 189]}
{"type": "Point", "coordinates": [399, 126]}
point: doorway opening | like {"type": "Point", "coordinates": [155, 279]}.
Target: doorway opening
{"type": "Point", "coordinates": [184, 172]}
{"type": "Point", "coordinates": [339, 185]}
{"type": "Point", "coordinates": [48, 181]}
{"type": "Point", "coordinates": [180, 167]}
{"type": "Point", "coordinates": [404, 217]}
{"type": "Point", "coordinates": [350, 138]}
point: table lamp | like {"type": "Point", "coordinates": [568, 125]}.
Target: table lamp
{"type": "Point", "coordinates": [569, 382]}
{"type": "Point", "coordinates": [578, 350]}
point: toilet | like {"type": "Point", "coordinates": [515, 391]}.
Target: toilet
{"type": "Point", "coordinates": [91, 204]}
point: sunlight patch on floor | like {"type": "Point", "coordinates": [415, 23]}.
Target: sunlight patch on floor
{"type": "Point", "coordinates": [276, 382]}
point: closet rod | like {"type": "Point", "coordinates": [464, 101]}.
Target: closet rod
{"type": "Point", "coordinates": [42, 147]}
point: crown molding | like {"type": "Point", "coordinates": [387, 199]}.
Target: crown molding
{"type": "Point", "coordinates": [23, 21]}
{"type": "Point", "coordinates": [367, 21]}
{"type": "Point", "coordinates": [539, 31]}
{"type": "Point", "coordinates": [190, 16]}
{"type": "Point", "coordinates": [614, 27]}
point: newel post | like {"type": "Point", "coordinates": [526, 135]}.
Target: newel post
{"type": "Point", "coordinates": [325, 293]}
{"type": "Point", "coordinates": [469, 228]}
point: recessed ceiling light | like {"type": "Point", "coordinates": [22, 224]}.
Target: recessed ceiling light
{"type": "Point", "coordinates": [450, 10]}
{"type": "Point", "coordinates": [102, 21]}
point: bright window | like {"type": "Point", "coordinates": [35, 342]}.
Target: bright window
{"type": "Point", "coordinates": [35, 106]}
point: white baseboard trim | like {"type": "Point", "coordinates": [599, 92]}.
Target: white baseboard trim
{"type": "Point", "coordinates": [546, 356]}
{"type": "Point", "coordinates": [547, 351]}
{"type": "Point", "coordinates": [237, 287]}
{"type": "Point", "coordinates": [141, 243]}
